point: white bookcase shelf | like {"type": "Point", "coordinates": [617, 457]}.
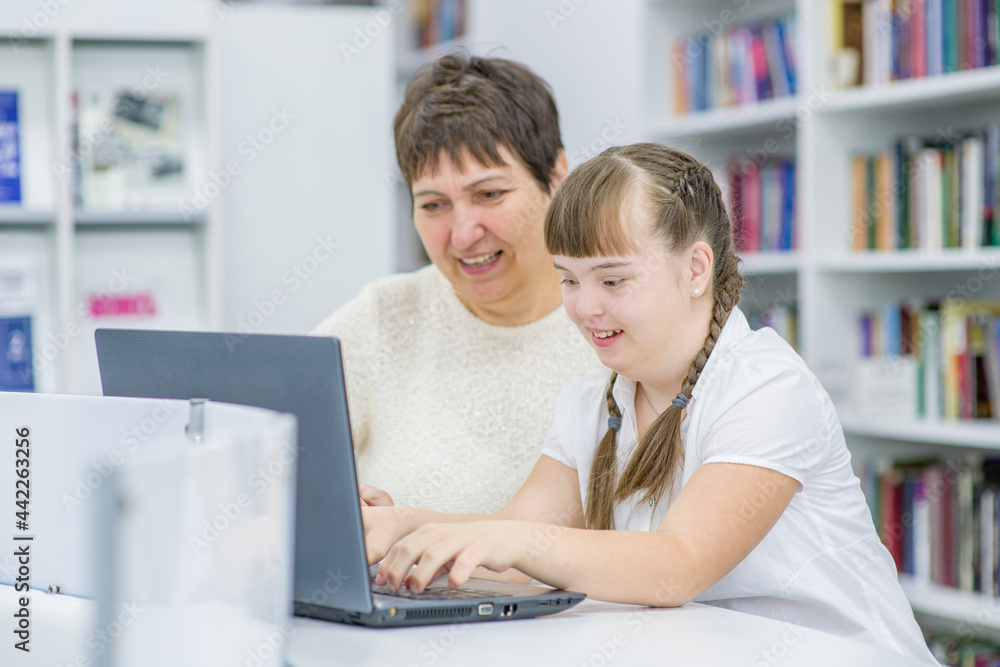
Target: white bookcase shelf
{"type": "Point", "coordinates": [15, 215]}
{"type": "Point", "coordinates": [137, 219]}
{"type": "Point", "coordinates": [762, 115]}
{"type": "Point", "coordinates": [124, 250]}
{"type": "Point", "coordinates": [901, 261]}
{"type": "Point", "coordinates": [978, 434]}
{"type": "Point", "coordinates": [826, 281]}
{"type": "Point", "coordinates": [945, 90]}
{"type": "Point", "coordinates": [770, 263]}
{"type": "Point", "coordinates": [976, 614]}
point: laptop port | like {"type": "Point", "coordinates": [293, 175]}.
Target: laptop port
{"type": "Point", "coordinates": [508, 610]}
{"type": "Point", "coordinates": [485, 609]}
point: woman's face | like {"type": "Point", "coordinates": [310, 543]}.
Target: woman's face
{"type": "Point", "coordinates": [639, 312]}
{"type": "Point", "coordinates": [482, 227]}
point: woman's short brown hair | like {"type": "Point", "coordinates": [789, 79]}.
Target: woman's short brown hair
{"type": "Point", "coordinates": [466, 102]}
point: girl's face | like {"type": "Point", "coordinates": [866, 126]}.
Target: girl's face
{"type": "Point", "coordinates": [639, 311]}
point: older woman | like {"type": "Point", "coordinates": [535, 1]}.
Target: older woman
{"type": "Point", "coordinates": [453, 370]}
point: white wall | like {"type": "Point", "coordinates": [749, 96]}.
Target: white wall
{"type": "Point", "coordinates": [320, 180]}
{"type": "Point", "coordinates": [590, 51]}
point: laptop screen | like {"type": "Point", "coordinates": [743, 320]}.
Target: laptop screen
{"type": "Point", "coordinates": [301, 375]}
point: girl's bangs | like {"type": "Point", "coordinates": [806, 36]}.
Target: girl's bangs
{"type": "Point", "coordinates": [591, 214]}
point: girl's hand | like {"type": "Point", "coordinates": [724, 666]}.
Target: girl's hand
{"type": "Point", "coordinates": [456, 549]}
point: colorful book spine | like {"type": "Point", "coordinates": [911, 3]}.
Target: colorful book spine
{"type": "Point", "coordinates": [877, 41]}
{"type": "Point", "coordinates": [16, 371]}
{"type": "Point", "coordinates": [10, 148]}
{"type": "Point", "coordinates": [929, 193]}
{"type": "Point", "coordinates": [742, 64]}
{"type": "Point", "coordinates": [956, 345]}
{"type": "Point", "coordinates": [762, 204]}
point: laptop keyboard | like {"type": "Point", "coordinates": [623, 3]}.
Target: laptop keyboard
{"type": "Point", "coordinates": [437, 592]}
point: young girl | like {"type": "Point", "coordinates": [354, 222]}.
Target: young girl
{"type": "Point", "coordinates": [708, 464]}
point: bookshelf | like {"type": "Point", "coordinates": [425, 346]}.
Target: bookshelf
{"type": "Point", "coordinates": [827, 281]}
{"type": "Point", "coordinates": [75, 251]}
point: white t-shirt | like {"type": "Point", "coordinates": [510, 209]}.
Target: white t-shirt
{"type": "Point", "coordinates": [822, 565]}
{"type": "Point", "coordinates": [448, 411]}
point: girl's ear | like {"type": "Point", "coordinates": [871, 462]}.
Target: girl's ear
{"type": "Point", "coordinates": [700, 263]}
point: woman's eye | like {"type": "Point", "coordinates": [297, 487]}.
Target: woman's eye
{"type": "Point", "coordinates": [431, 206]}
{"type": "Point", "coordinates": [492, 194]}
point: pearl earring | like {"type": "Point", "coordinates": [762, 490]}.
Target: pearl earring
{"type": "Point", "coordinates": [697, 292]}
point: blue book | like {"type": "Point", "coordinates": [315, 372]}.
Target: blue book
{"type": "Point", "coordinates": [786, 28]}
{"type": "Point", "coordinates": [788, 208]}
{"type": "Point", "coordinates": [15, 354]}
{"type": "Point", "coordinates": [892, 334]}
{"type": "Point", "coordinates": [10, 152]}
{"type": "Point", "coordinates": [910, 482]}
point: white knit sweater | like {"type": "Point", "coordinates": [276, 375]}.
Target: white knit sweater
{"type": "Point", "coordinates": [449, 412]}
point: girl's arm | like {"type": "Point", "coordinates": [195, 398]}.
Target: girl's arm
{"type": "Point", "coordinates": [550, 495]}
{"type": "Point", "coordinates": [710, 527]}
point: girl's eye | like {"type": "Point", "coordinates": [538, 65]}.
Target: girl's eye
{"type": "Point", "coordinates": [613, 283]}
{"type": "Point", "coordinates": [568, 282]}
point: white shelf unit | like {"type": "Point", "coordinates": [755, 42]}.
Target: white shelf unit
{"type": "Point", "coordinates": [74, 255]}
{"type": "Point", "coordinates": [828, 281]}
{"type": "Point", "coordinates": [759, 131]}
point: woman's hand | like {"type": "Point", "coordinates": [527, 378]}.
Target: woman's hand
{"type": "Point", "coordinates": [456, 549]}
{"type": "Point", "coordinates": [384, 526]}
{"type": "Point", "coordinates": [374, 497]}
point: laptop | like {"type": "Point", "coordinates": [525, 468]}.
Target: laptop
{"type": "Point", "coordinates": [304, 375]}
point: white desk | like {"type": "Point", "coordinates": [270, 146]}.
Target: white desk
{"type": "Point", "coordinates": [592, 634]}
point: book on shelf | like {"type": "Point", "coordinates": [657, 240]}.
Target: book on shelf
{"type": "Point", "coordinates": [938, 518]}
{"type": "Point", "coordinates": [437, 21]}
{"type": "Point", "coordinates": [10, 149]}
{"type": "Point", "coordinates": [16, 372]}
{"type": "Point", "coordinates": [17, 303]}
{"type": "Point", "coordinates": [762, 203]}
{"type": "Point", "coordinates": [131, 151]}
{"type": "Point", "coordinates": [741, 64]}
{"type": "Point", "coordinates": [944, 358]}
{"type": "Point", "coordinates": [873, 42]}
{"type": "Point", "coordinates": [928, 193]}
{"type": "Point", "coordinates": [780, 317]}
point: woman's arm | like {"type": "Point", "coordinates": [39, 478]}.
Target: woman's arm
{"type": "Point", "coordinates": [550, 495]}
{"type": "Point", "coordinates": [706, 532]}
